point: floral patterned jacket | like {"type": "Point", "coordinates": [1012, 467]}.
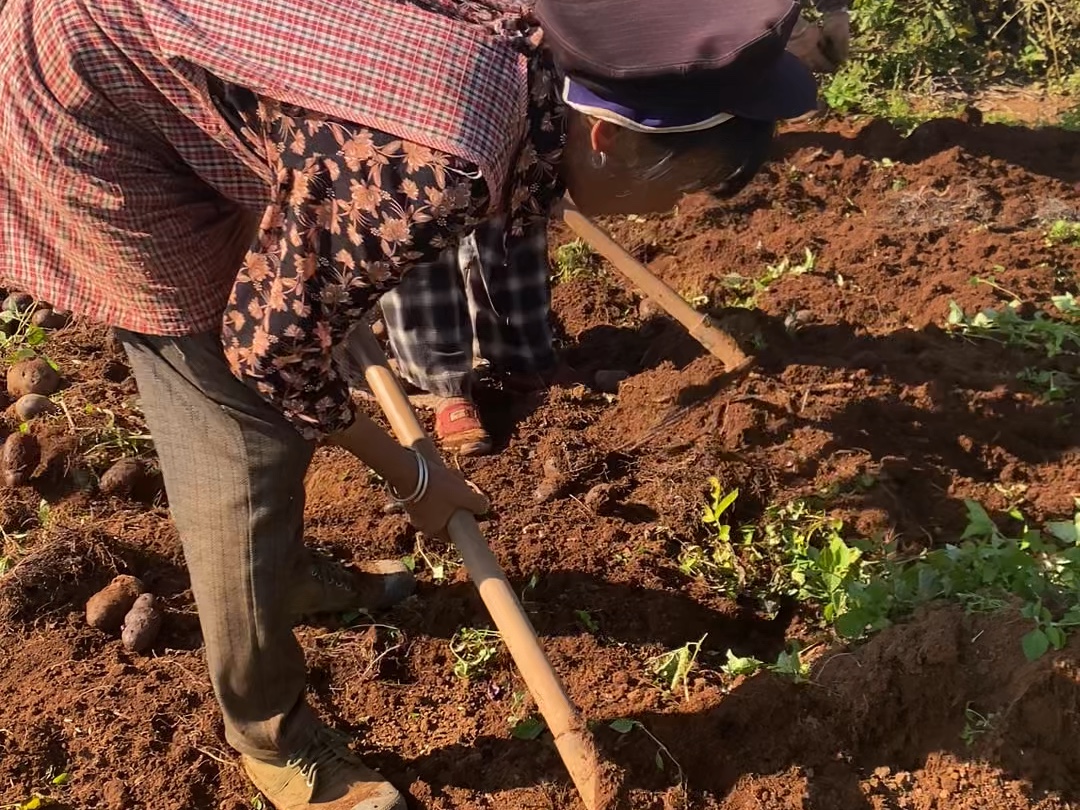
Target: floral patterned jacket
{"type": "Point", "coordinates": [352, 210]}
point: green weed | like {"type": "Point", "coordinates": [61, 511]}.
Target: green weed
{"type": "Point", "coordinates": [574, 260]}
{"type": "Point", "coordinates": [1053, 386]}
{"type": "Point", "coordinates": [586, 620]}
{"type": "Point", "coordinates": [856, 588]}
{"type": "Point", "coordinates": [907, 49]}
{"type": "Point", "coordinates": [117, 438]}
{"type": "Point", "coordinates": [440, 563]}
{"type": "Point", "coordinates": [523, 727]}
{"type": "Point", "coordinates": [35, 801]}
{"type": "Point", "coordinates": [474, 651]}
{"type": "Point", "coordinates": [789, 664]}
{"type": "Point", "coordinates": [795, 552]}
{"type": "Point", "coordinates": [624, 726]}
{"type": "Point", "coordinates": [1063, 232]}
{"type": "Point", "coordinates": [1052, 334]}
{"type": "Point", "coordinates": [975, 725]}
{"type": "Point", "coordinates": [1070, 119]}
{"type": "Point", "coordinates": [673, 667]}
{"type": "Point", "coordinates": [20, 339]}
{"type": "Point", "coordinates": [53, 781]}
{"type": "Point", "coordinates": [744, 291]}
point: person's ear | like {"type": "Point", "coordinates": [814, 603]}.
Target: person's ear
{"type": "Point", "coordinates": [602, 136]}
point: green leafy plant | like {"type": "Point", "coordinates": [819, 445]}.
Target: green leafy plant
{"type": "Point", "coordinates": [574, 260]}
{"type": "Point", "coordinates": [905, 50]}
{"type": "Point", "coordinates": [1064, 232]}
{"type": "Point", "coordinates": [1053, 386]}
{"type": "Point", "coordinates": [857, 588]}
{"type": "Point", "coordinates": [474, 650]}
{"type": "Point", "coordinates": [624, 726]}
{"type": "Point", "coordinates": [1052, 334]}
{"type": "Point", "coordinates": [673, 667]}
{"type": "Point", "coordinates": [523, 726]}
{"type": "Point", "coordinates": [587, 621]}
{"type": "Point", "coordinates": [744, 291]}
{"type": "Point", "coordinates": [975, 725]}
{"type": "Point", "coordinates": [789, 664]}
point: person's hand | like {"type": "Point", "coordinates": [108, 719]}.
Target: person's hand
{"type": "Point", "coordinates": [822, 48]}
{"type": "Point", "coordinates": [447, 492]}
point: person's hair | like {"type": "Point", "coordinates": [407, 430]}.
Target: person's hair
{"type": "Point", "coordinates": [723, 158]}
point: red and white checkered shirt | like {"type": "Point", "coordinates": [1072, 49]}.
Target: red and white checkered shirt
{"type": "Point", "coordinates": [122, 190]}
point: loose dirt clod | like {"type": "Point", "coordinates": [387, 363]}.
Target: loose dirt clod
{"type": "Point", "coordinates": [600, 498]}
{"type": "Point", "coordinates": [124, 479]}
{"type": "Point", "coordinates": [106, 610]}
{"type": "Point", "coordinates": [32, 406]}
{"type": "Point", "coordinates": [607, 380]}
{"type": "Point", "coordinates": [20, 457]}
{"type": "Point", "coordinates": [32, 377]}
{"type": "Point", "coordinates": [141, 624]}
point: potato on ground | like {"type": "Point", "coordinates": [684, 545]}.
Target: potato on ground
{"type": "Point", "coordinates": [32, 406]}
{"type": "Point", "coordinates": [125, 479]}
{"type": "Point", "coordinates": [107, 608]}
{"type": "Point", "coordinates": [20, 457]}
{"type": "Point", "coordinates": [50, 319]}
{"type": "Point", "coordinates": [141, 624]}
{"type": "Point", "coordinates": [19, 303]}
{"type": "Point", "coordinates": [32, 377]}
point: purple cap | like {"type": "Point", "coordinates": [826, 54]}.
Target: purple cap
{"type": "Point", "coordinates": [678, 65]}
{"type": "Point", "coordinates": [787, 92]}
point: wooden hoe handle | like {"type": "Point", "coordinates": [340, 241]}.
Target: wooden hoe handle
{"type": "Point", "coordinates": [572, 738]}
{"type": "Point", "coordinates": [700, 326]}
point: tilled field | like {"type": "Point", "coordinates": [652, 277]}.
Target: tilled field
{"type": "Point", "coordinates": [851, 249]}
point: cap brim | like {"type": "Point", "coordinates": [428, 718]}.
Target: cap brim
{"type": "Point", "coordinates": [789, 91]}
{"type": "Point", "coordinates": [584, 100]}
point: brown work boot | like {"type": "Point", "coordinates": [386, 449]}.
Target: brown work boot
{"type": "Point", "coordinates": [327, 586]}
{"type": "Point", "coordinates": [323, 775]}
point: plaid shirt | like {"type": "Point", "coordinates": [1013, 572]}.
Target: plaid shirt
{"type": "Point", "coordinates": [122, 190]}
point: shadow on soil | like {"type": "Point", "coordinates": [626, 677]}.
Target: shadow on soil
{"type": "Point", "coordinates": [894, 703]}
{"type": "Point", "coordinates": [1048, 151]}
{"type": "Point", "coordinates": [922, 404]}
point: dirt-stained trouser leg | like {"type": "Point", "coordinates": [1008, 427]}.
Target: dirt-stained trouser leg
{"type": "Point", "coordinates": [234, 473]}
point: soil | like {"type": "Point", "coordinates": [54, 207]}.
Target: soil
{"type": "Point", "coordinates": [854, 377]}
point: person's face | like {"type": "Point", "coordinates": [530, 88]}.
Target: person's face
{"type": "Point", "coordinates": [602, 181]}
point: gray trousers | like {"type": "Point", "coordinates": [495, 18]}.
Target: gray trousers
{"type": "Point", "coordinates": [234, 472]}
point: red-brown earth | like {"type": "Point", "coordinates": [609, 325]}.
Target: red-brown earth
{"type": "Point", "coordinates": [855, 379]}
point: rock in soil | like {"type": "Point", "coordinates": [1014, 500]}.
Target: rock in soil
{"type": "Point", "coordinates": [32, 406]}
{"type": "Point", "coordinates": [20, 457]}
{"type": "Point", "coordinates": [107, 608]}
{"type": "Point", "coordinates": [32, 377]}
{"type": "Point", "coordinates": [124, 479]}
{"type": "Point", "coordinates": [141, 624]}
